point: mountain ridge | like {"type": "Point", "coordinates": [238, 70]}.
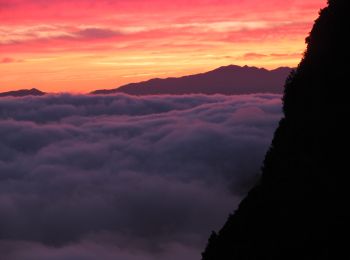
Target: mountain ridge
{"type": "Point", "coordinates": [229, 80]}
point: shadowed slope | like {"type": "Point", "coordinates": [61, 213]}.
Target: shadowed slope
{"type": "Point", "coordinates": [301, 197]}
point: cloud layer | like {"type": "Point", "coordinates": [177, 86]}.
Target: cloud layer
{"type": "Point", "coordinates": [121, 177]}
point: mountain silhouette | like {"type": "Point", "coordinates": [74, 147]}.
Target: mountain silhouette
{"type": "Point", "coordinates": [23, 93]}
{"type": "Point", "coordinates": [229, 80]}
{"type": "Point", "coordinates": [299, 206]}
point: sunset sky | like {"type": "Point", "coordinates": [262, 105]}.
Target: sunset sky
{"type": "Point", "coordinates": [83, 45]}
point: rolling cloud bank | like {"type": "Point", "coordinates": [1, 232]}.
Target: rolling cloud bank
{"type": "Point", "coordinates": [120, 177]}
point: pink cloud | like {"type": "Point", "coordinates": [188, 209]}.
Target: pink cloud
{"type": "Point", "coordinates": [8, 60]}
{"type": "Point", "coordinates": [156, 18]}
{"type": "Point", "coordinates": [274, 33]}
{"type": "Point", "coordinates": [33, 11]}
{"type": "Point", "coordinates": [190, 34]}
{"type": "Point", "coordinates": [252, 55]}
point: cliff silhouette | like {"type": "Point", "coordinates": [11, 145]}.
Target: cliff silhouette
{"type": "Point", "coordinates": [302, 196]}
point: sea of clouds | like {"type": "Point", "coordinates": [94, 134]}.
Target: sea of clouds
{"type": "Point", "coordinates": [86, 177]}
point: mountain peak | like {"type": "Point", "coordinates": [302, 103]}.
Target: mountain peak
{"type": "Point", "coordinates": [22, 93]}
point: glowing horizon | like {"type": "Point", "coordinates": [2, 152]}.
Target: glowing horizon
{"type": "Point", "coordinates": [84, 45]}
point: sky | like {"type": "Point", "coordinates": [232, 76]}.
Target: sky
{"type": "Point", "coordinates": [83, 45]}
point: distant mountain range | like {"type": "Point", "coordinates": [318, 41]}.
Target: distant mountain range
{"type": "Point", "coordinates": [229, 80]}
{"type": "Point", "coordinates": [22, 93]}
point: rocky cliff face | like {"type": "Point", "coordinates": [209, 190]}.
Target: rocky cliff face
{"type": "Point", "coordinates": [294, 210]}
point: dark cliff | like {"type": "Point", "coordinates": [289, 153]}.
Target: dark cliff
{"type": "Point", "coordinates": [300, 200]}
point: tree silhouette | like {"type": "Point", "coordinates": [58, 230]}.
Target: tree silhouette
{"type": "Point", "coordinates": [300, 200]}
